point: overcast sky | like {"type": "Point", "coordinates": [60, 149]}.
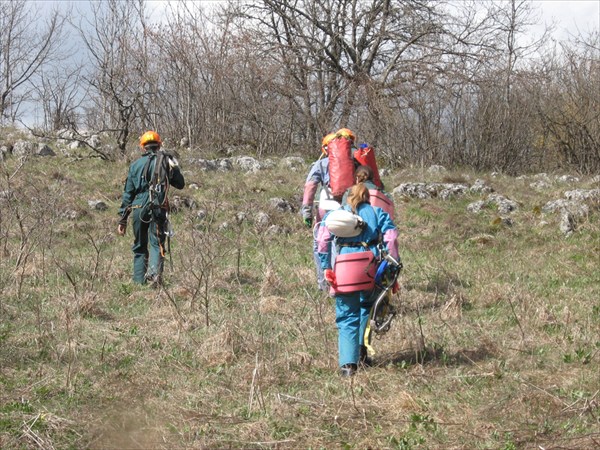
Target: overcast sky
{"type": "Point", "coordinates": [570, 15]}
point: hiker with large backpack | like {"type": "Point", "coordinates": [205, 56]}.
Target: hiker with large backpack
{"type": "Point", "coordinates": [327, 179]}
{"type": "Point", "coordinates": [356, 232]}
{"type": "Point", "coordinates": [145, 196]}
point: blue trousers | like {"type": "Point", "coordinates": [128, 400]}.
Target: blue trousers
{"type": "Point", "coordinates": [147, 262]}
{"type": "Point", "coordinates": [351, 317]}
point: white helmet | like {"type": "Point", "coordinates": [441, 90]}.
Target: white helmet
{"type": "Point", "coordinates": [344, 223]}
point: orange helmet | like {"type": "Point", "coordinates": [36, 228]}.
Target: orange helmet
{"type": "Point", "coordinates": [345, 132]}
{"type": "Point", "coordinates": [326, 140]}
{"type": "Point", "coordinates": [150, 137]}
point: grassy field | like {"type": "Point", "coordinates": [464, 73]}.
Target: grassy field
{"type": "Point", "coordinates": [496, 347]}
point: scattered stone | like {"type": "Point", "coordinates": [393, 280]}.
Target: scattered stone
{"type": "Point", "coordinates": [476, 207]}
{"type": "Point", "coordinates": [206, 165]}
{"type": "Point", "coordinates": [503, 204]}
{"type": "Point", "coordinates": [224, 165]}
{"type": "Point", "coordinates": [179, 202]}
{"type": "Point", "coordinates": [201, 214]}
{"type": "Point", "coordinates": [194, 186]}
{"type": "Point", "coordinates": [275, 229]}
{"type": "Point", "coordinates": [241, 217]}
{"type": "Point", "coordinates": [5, 195]}
{"type": "Point", "coordinates": [583, 194]}
{"type": "Point", "coordinates": [184, 142]}
{"type": "Point", "coordinates": [482, 239]}
{"type": "Point", "coordinates": [567, 179]}
{"type": "Point", "coordinates": [480, 186]}
{"type": "Point", "coordinates": [5, 150]}
{"type": "Point", "coordinates": [294, 163]}
{"type": "Point", "coordinates": [247, 164]}
{"type": "Point", "coordinates": [70, 214]}
{"type": "Point", "coordinates": [94, 141]}
{"type": "Point", "coordinates": [76, 144]}
{"type": "Point", "coordinates": [23, 148]}
{"type": "Point", "coordinates": [44, 150]}
{"type": "Point", "coordinates": [262, 219]}
{"type": "Point", "coordinates": [436, 168]}
{"type": "Point", "coordinates": [539, 185]}
{"type": "Point", "coordinates": [281, 205]}
{"type": "Point", "coordinates": [97, 205]}
{"type": "Point", "coordinates": [557, 205]}
{"type": "Point", "coordinates": [452, 190]}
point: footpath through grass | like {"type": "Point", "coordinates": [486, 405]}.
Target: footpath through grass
{"type": "Point", "coordinates": [496, 346]}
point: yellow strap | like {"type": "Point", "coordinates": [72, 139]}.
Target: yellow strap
{"type": "Point", "coordinates": [367, 337]}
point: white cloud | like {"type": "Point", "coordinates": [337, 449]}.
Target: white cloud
{"type": "Point", "coordinates": [570, 17]}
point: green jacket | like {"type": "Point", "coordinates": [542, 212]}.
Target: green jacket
{"type": "Point", "coordinates": [136, 191]}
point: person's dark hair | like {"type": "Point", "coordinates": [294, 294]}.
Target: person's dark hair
{"type": "Point", "coordinates": [363, 173]}
{"type": "Point", "coordinates": [358, 194]}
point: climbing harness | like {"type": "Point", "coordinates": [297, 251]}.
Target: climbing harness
{"type": "Point", "coordinates": [157, 178]}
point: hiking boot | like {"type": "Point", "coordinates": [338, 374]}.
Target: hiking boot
{"type": "Point", "coordinates": [364, 357]}
{"type": "Point", "coordinates": [154, 281]}
{"type": "Point", "coordinates": [348, 370]}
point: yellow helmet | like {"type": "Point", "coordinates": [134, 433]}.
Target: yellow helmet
{"type": "Point", "coordinates": [150, 137]}
{"type": "Point", "coordinates": [326, 140]}
{"type": "Point", "coordinates": [345, 132]}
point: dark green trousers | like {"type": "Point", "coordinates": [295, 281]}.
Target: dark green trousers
{"type": "Point", "coordinates": [149, 238]}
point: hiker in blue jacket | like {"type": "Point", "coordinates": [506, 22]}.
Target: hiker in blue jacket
{"type": "Point", "coordinates": [352, 308]}
{"type": "Point", "coordinates": [149, 207]}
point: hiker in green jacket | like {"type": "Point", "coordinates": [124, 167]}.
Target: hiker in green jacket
{"type": "Point", "coordinates": [145, 195]}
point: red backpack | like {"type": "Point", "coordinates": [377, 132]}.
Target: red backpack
{"type": "Point", "coordinates": [365, 155]}
{"type": "Point", "coordinates": [341, 165]}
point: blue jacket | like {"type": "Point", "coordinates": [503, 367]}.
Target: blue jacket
{"type": "Point", "coordinates": [378, 223]}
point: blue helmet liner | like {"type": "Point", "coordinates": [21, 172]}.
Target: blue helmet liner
{"type": "Point", "coordinates": [386, 272]}
{"type": "Point", "coordinates": [381, 271]}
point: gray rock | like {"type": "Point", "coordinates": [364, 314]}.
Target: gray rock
{"type": "Point", "coordinates": [262, 219]}
{"type": "Point", "coordinates": [23, 148]}
{"type": "Point", "coordinates": [44, 150]}
{"type": "Point", "coordinates": [567, 179]}
{"type": "Point", "coordinates": [480, 187]}
{"type": "Point", "coordinates": [583, 194]}
{"type": "Point", "coordinates": [97, 205]}
{"type": "Point", "coordinates": [558, 205]}
{"type": "Point", "coordinates": [436, 168]}
{"type": "Point", "coordinates": [281, 205]}
{"type": "Point", "coordinates": [504, 205]}
{"type": "Point", "coordinates": [294, 163]}
{"type": "Point", "coordinates": [5, 151]}
{"type": "Point", "coordinates": [224, 165]}
{"type": "Point", "coordinates": [205, 165]}
{"type": "Point", "coordinates": [247, 164]}
{"type": "Point", "coordinates": [94, 140]}
{"type": "Point", "coordinates": [430, 190]}
{"type": "Point", "coordinates": [476, 207]}
{"type": "Point", "coordinates": [275, 229]}
{"type": "Point", "coordinates": [539, 185]}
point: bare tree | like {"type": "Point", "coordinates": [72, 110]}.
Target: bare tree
{"type": "Point", "coordinates": [59, 91]}
{"type": "Point", "coordinates": [26, 46]}
{"type": "Point", "coordinates": [114, 37]}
